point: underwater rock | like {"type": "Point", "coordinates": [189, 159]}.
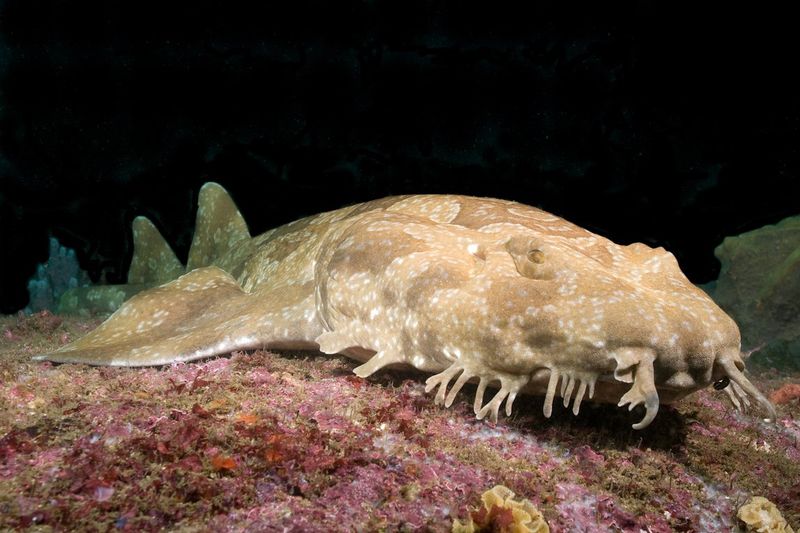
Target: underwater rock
{"type": "Point", "coordinates": [760, 514]}
{"type": "Point", "coordinates": [501, 512]}
{"type": "Point", "coordinates": [314, 449]}
{"type": "Point", "coordinates": [759, 285]}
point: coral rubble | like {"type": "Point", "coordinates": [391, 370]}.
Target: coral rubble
{"type": "Point", "coordinates": [53, 278]}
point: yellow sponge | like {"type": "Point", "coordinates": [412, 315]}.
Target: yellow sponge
{"type": "Point", "coordinates": [759, 514]}
{"type": "Point", "coordinates": [501, 512]}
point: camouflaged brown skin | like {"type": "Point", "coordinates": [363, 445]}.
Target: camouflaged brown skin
{"type": "Point", "coordinates": [470, 289]}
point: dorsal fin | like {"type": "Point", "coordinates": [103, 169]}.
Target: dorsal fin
{"type": "Point", "coordinates": [218, 229]}
{"type": "Point", "coordinates": [153, 260]}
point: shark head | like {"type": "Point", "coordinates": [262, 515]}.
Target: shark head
{"type": "Point", "coordinates": [529, 307]}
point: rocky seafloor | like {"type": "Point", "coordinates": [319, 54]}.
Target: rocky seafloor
{"type": "Point", "coordinates": [260, 441]}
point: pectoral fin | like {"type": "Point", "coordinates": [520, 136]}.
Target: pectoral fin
{"type": "Point", "coordinates": [200, 314]}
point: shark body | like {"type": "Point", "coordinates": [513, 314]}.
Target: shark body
{"type": "Point", "coordinates": [469, 289]}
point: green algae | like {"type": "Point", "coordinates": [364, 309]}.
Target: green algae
{"type": "Point", "coordinates": [759, 286]}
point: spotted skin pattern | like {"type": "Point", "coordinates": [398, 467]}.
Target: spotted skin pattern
{"type": "Point", "coordinates": [470, 289]}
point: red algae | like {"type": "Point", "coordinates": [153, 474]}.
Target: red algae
{"type": "Point", "coordinates": [786, 394]}
{"type": "Point", "coordinates": [265, 441]}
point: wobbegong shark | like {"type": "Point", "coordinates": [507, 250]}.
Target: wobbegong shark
{"type": "Point", "coordinates": [469, 289]}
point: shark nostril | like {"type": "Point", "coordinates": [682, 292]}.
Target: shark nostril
{"type": "Point", "coordinates": [722, 383]}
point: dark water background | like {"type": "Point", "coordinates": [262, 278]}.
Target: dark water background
{"type": "Point", "coordinates": [658, 122]}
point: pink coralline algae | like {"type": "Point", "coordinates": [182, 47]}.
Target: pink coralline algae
{"type": "Point", "coordinates": [263, 441]}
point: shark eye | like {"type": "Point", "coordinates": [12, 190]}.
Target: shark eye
{"type": "Point", "coordinates": [536, 256]}
{"type": "Point", "coordinates": [721, 383]}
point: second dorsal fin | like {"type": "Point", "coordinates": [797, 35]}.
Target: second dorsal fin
{"type": "Point", "coordinates": [153, 261]}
